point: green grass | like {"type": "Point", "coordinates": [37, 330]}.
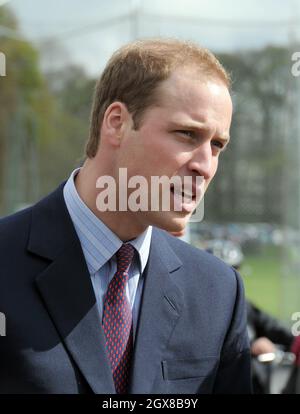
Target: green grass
{"type": "Point", "coordinates": [272, 281]}
{"type": "Point", "coordinates": [262, 274]}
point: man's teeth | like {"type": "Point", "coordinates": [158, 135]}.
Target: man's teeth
{"type": "Point", "coordinates": [183, 194]}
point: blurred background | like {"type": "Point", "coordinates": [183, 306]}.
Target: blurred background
{"type": "Point", "coordinates": [51, 52]}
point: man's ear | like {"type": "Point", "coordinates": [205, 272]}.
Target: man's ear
{"type": "Point", "coordinates": [115, 122]}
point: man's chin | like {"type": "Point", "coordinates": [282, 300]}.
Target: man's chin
{"type": "Point", "coordinates": [172, 222]}
{"type": "Point", "coordinates": [180, 233]}
{"type": "Point", "coordinates": [174, 225]}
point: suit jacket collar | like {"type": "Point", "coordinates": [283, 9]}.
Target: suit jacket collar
{"type": "Point", "coordinates": [67, 293]}
{"type": "Point", "coordinates": [51, 228]}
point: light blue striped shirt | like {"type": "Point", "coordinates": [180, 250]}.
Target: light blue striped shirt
{"type": "Point", "coordinates": [99, 245]}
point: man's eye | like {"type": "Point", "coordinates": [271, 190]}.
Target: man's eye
{"type": "Point", "coordinates": [218, 144]}
{"type": "Point", "coordinates": [188, 133]}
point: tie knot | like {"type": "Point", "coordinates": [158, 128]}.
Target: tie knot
{"type": "Point", "coordinates": [124, 257]}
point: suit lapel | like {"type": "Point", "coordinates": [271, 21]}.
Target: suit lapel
{"type": "Point", "coordinates": [160, 309]}
{"type": "Point", "coordinates": [67, 291]}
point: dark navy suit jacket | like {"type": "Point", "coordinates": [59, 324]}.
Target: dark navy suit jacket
{"type": "Point", "coordinates": [191, 335]}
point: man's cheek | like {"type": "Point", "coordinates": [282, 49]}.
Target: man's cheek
{"type": "Point", "coordinates": [207, 182]}
{"type": "Point", "coordinates": [214, 169]}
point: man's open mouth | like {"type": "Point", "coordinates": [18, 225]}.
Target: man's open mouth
{"type": "Point", "coordinates": [187, 196]}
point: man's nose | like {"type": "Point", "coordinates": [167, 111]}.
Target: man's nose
{"type": "Point", "coordinates": [201, 162]}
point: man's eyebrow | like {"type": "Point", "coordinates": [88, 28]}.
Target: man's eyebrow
{"type": "Point", "coordinates": [200, 127]}
{"type": "Point", "coordinates": [224, 137]}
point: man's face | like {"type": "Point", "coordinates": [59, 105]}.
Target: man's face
{"type": "Point", "coordinates": [182, 136]}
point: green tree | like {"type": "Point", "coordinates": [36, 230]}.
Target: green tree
{"type": "Point", "coordinates": [72, 92]}
{"type": "Point", "coordinates": [250, 182]}
{"type": "Point", "coordinates": [25, 105]}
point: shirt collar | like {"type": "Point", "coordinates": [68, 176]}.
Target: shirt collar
{"type": "Point", "coordinates": [98, 242]}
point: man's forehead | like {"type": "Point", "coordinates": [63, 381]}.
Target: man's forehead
{"type": "Point", "coordinates": [187, 84]}
{"type": "Point", "coordinates": [195, 103]}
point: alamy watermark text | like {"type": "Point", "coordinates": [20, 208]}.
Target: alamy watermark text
{"type": "Point", "coordinates": [2, 324]}
{"type": "Point", "coordinates": [2, 64]}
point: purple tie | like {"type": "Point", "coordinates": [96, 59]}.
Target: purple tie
{"type": "Point", "coordinates": [117, 321]}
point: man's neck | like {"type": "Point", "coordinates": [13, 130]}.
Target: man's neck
{"type": "Point", "coordinates": [122, 223]}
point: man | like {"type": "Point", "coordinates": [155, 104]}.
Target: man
{"type": "Point", "coordinates": [107, 301]}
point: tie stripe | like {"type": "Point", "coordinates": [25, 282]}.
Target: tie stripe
{"type": "Point", "coordinates": [117, 321]}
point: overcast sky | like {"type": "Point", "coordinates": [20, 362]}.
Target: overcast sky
{"type": "Point", "coordinates": [87, 31]}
